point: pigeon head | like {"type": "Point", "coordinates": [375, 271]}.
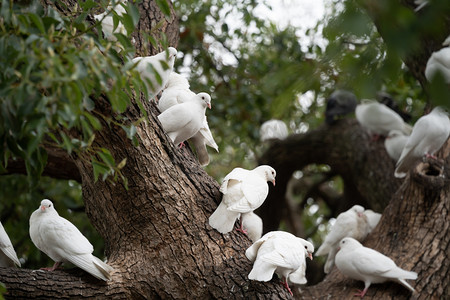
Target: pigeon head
{"type": "Point", "coordinates": [309, 249]}
{"type": "Point", "coordinates": [358, 209]}
{"type": "Point", "coordinates": [46, 206]}
{"type": "Point", "coordinates": [172, 53]}
{"type": "Point", "coordinates": [206, 98]}
{"type": "Point", "coordinates": [349, 243]}
{"type": "Point", "coordinates": [268, 172]}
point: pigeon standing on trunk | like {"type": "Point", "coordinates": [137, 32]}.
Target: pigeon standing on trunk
{"type": "Point", "coordinates": [155, 70]}
{"type": "Point", "coordinates": [351, 223]}
{"type": "Point", "coordinates": [429, 134]}
{"type": "Point", "coordinates": [281, 253]}
{"type": "Point", "coordinates": [183, 121]}
{"type": "Point", "coordinates": [365, 264]}
{"type": "Point", "coordinates": [243, 192]}
{"type": "Point", "coordinates": [63, 242]}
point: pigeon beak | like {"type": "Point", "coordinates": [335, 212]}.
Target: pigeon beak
{"type": "Point", "coordinates": [43, 208]}
{"type": "Point", "coordinates": [339, 248]}
{"type": "Point", "coordinates": [209, 105]}
{"type": "Point", "coordinates": [310, 256]}
{"type": "Point", "coordinates": [273, 181]}
{"type": "Point", "coordinates": [360, 215]}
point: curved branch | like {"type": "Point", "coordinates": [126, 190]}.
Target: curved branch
{"type": "Point", "coordinates": [348, 150]}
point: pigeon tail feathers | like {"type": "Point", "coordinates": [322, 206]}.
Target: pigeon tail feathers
{"type": "Point", "coordinates": [91, 264]}
{"type": "Point", "coordinates": [222, 219]}
{"type": "Point", "coordinates": [262, 271]}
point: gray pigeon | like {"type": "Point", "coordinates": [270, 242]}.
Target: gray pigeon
{"type": "Point", "coordinates": [340, 103]}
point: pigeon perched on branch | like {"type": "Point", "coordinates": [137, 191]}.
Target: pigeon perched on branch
{"type": "Point", "coordinates": [155, 70]}
{"type": "Point", "coordinates": [243, 192]}
{"type": "Point", "coordinates": [108, 22]}
{"type": "Point", "coordinates": [253, 225]}
{"type": "Point", "coordinates": [8, 257]}
{"type": "Point", "coordinates": [177, 92]}
{"type": "Point", "coordinates": [394, 143]}
{"type": "Point", "coordinates": [365, 264]}
{"type": "Point", "coordinates": [273, 130]}
{"type": "Point", "coordinates": [183, 121]}
{"type": "Point", "coordinates": [281, 253]}
{"type": "Point", "coordinates": [352, 223]}
{"type": "Point", "coordinates": [340, 103]}
{"type": "Point", "coordinates": [63, 242]}
{"type": "Point", "coordinates": [379, 119]}
{"type": "Point", "coordinates": [428, 135]}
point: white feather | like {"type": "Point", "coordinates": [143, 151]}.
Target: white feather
{"type": "Point", "coordinates": [8, 257]}
{"type": "Point", "coordinates": [243, 191]}
{"type": "Point", "coordinates": [63, 242]}
{"type": "Point", "coordinates": [370, 266]}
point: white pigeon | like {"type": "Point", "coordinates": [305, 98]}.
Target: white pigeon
{"type": "Point", "coordinates": [379, 119]}
{"type": "Point", "coordinates": [281, 253]}
{"type": "Point", "coordinates": [63, 242]}
{"type": "Point", "coordinates": [155, 70]}
{"type": "Point", "coordinates": [439, 61]}
{"type": "Point", "coordinates": [394, 143]}
{"type": "Point", "coordinates": [8, 257]}
{"type": "Point", "coordinates": [183, 121]}
{"type": "Point", "coordinates": [429, 134]}
{"type": "Point", "coordinates": [365, 264]}
{"type": "Point", "coordinates": [253, 225]}
{"type": "Point", "coordinates": [243, 192]}
{"type": "Point", "coordinates": [273, 130]}
{"type": "Point", "coordinates": [177, 92]}
{"type": "Point", "coordinates": [373, 218]}
{"type": "Point", "coordinates": [108, 21]}
{"type": "Point", "coordinates": [352, 223]}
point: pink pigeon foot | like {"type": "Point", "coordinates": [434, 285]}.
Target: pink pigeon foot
{"type": "Point", "coordinates": [427, 155]}
{"type": "Point", "coordinates": [286, 285]}
{"type": "Point", "coordinates": [241, 229]}
{"type": "Point", "coordinates": [361, 293]}
{"type": "Point", "coordinates": [55, 266]}
{"type": "Point", "coordinates": [181, 145]}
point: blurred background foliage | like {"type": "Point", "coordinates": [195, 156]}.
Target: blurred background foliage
{"type": "Point", "coordinates": [254, 70]}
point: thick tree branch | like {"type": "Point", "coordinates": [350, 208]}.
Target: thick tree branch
{"type": "Point", "coordinates": [348, 150]}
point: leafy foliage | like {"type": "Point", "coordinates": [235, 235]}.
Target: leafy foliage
{"type": "Point", "coordinates": [54, 69]}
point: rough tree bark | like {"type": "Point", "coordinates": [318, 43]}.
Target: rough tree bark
{"type": "Point", "coordinates": [158, 240]}
{"type": "Point", "coordinates": [156, 233]}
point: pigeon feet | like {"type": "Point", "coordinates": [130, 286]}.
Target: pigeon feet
{"type": "Point", "coordinates": [55, 266]}
{"type": "Point", "coordinates": [181, 145]}
{"type": "Point", "coordinates": [286, 285]}
{"type": "Point", "coordinates": [361, 293]}
{"type": "Point", "coordinates": [240, 229]}
{"type": "Point", "coordinates": [427, 155]}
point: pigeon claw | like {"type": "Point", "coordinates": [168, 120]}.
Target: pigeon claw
{"type": "Point", "coordinates": [286, 285]}
{"type": "Point", "coordinates": [361, 293]}
{"type": "Point", "coordinates": [181, 145]}
{"type": "Point", "coordinates": [240, 229]}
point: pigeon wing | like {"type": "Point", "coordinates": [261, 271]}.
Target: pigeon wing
{"type": "Point", "coordinates": [64, 238]}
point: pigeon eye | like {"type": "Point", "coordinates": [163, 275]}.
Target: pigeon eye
{"type": "Point", "coordinates": [306, 247]}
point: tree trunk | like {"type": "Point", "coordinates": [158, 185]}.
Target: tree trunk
{"type": "Point", "coordinates": [156, 233]}
{"type": "Point", "coordinates": [159, 242]}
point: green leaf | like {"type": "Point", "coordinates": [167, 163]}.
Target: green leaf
{"type": "Point", "coordinates": [122, 163]}
{"type": "Point", "coordinates": [106, 156]}
{"type": "Point", "coordinates": [38, 22]}
{"type": "Point", "coordinates": [99, 169]}
{"type": "Point", "coordinates": [164, 7]}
